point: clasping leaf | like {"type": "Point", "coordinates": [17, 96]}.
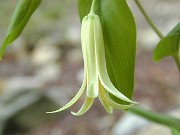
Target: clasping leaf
{"type": "Point", "coordinates": [169, 45]}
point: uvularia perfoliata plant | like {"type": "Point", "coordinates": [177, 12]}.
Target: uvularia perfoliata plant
{"type": "Point", "coordinates": [96, 79]}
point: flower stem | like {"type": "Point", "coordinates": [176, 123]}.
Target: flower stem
{"type": "Point", "coordinates": [93, 6]}
{"type": "Point", "coordinates": [149, 19]}
{"type": "Point", "coordinates": [164, 119]}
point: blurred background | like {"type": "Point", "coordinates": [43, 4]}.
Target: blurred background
{"type": "Point", "coordinates": [43, 69]}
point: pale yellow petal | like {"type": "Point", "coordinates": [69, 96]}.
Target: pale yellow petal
{"type": "Point", "coordinates": [81, 90]}
{"type": "Point", "coordinates": [103, 99]}
{"type": "Point", "coordinates": [83, 37]}
{"type": "Point", "coordinates": [113, 103]}
{"type": "Point", "coordinates": [118, 106]}
{"type": "Point", "coordinates": [101, 63]}
{"type": "Point", "coordinates": [74, 100]}
{"type": "Point", "coordinates": [92, 74]}
{"type": "Point", "coordinates": [87, 104]}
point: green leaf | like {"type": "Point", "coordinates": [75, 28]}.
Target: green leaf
{"type": "Point", "coordinates": [175, 131]}
{"type": "Point", "coordinates": [22, 13]}
{"type": "Point", "coordinates": [119, 32]}
{"type": "Point", "coordinates": [169, 45]}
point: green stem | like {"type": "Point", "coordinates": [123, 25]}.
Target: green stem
{"type": "Point", "coordinates": [156, 117]}
{"type": "Point", "coordinates": [93, 6]}
{"type": "Point", "coordinates": [149, 20]}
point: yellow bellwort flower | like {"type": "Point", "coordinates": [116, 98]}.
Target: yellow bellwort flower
{"type": "Point", "coordinates": [96, 79]}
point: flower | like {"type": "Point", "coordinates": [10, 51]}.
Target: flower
{"type": "Point", "coordinates": [96, 79]}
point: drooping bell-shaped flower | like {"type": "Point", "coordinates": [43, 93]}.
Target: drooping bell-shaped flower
{"type": "Point", "coordinates": [96, 79]}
